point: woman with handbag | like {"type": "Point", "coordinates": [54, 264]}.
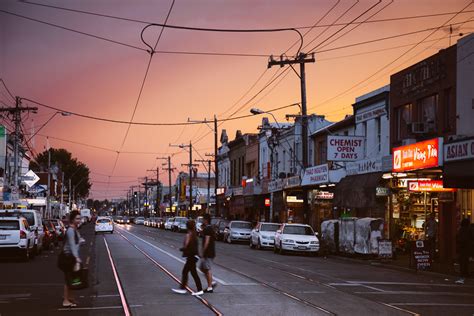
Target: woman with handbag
{"type": "Point", "coordinates": [190, 251]}
{"type": "Point", "coordinates": [69, 260]}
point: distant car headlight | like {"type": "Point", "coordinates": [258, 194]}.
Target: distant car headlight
{"type": "Point", "coordinates": [289, 241]}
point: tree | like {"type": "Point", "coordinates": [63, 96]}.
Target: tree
{"type": "Point", "coordinates": [72, 168]}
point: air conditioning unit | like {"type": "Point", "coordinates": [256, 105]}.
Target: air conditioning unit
{"type": "Point", "coordinates": [419, 127]}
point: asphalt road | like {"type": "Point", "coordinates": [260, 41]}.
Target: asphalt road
{"type": "Point", "coordinates": [134, 269]}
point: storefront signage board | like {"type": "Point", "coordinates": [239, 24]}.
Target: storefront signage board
{"type": "Point", "coordinates": [276, 185]}
{"type": "Point", "coordinates": [427, 186]}
{"type": "Point", "coordinates": [292, 182]}
{"type": "Point", "coordinates": [385, 249]}
{"type": "Point", "coordinates": [364, 166]}
{"type": "Point", "coordinates": [324, 195]}
{"type": "Point", "coordinates": [382, 191]}
{"type": "Point", "coordinates": [316, 175]}
{"type": "Point", "coordinates": [463, 150]}
{"type": "Point", "coordinates": [422, 155]}
{"type": "Point", "coordinates": [345, 148]}
{"type": "Point", "coordinates": [421, 255]}
{"type": "Point", "coordinates": [368, 115]}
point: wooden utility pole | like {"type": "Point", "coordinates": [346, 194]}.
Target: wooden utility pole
{"type": "Point", "coordinates": [169, 169]}
{"type": "Point", "coordinates": [190, 165]}
{"type": "Point", "coordinates": [301, 59]}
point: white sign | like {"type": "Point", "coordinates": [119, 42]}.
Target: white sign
{"type": "Point", "coordinates": [30, 178]}
{"type": "Point", "coordinates": [459, 150]}
{"type": "Point", "coordinates": [316, 175]}
{"type": "Point", "coordinates": [345, 148]}
{"type": "Point", "coordinates": [324, 195]}
{"type": "Point", "coordinates": [364, 166]}
{"type": "Point", "coordinates": [367, 115]}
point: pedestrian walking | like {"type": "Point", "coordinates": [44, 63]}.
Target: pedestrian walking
{"type": "Point", "coordinates": [69, 256]}
{"type": "Point", "coordinates": [431, 233]}
{"type": "Point", "coordinates": [208, 252]}
{"type": "Point", "coordinates": [464, 244]}
{"type": "Point", "coordinates": [190, 251]}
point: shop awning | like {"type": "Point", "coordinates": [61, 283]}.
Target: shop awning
{"type": "Point", "coordinates": [357, 191]}
{"type": "Point", "coordinates": [459, 174]}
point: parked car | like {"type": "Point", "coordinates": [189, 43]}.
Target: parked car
{"type": "Point", "coordinates": [104, 225]}
{"type": "Point", "coordinates": [219, 228]}
{"type": "Point", "coordinates": [237, 231]}
{"type": "Point", "coordinates": [159, 222]}
{"type": "Point", "coordinates": [16, 237]}
{"type": "Point", "coordinates": [169, 223]}
{"type": "Point", "coordinates": [126, 220]}
{"type": "Point", "coordinates": [35, 222]}
{"type": "Point", "coordinates": [147, 222]}
{"type": "Point", "coordinates": [296, 237]}
{"type": "Point", "coordinates": [139, 220]}
{"type": "Point", "coordinates": [179, 224]}
{"type": "Point", "coordinates": [263, 235]}
{"type": "Point", "coordinates": [59, 227]}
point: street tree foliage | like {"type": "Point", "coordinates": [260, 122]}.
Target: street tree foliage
{"type": "Point", "coordinates": [73, 169]}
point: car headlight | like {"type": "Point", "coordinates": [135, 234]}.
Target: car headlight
{"type": "Point", "coordinates": [234, 234]}
{"type": "Point", "coordinates": [314, 242]}
{"type": "Point", "coordinates": [289, 241]}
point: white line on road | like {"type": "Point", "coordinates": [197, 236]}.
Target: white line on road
{"type": "Point", "coordinates": [408, 283]}
{"type": "Point", "coordinates": [416, 293]}
{"type": "Point", "coordinates": [21, 295]}
{"type": "Point", "coordinates": [433, 304]}
{"type": "Point", "coordinates": [172, 256]}
{"type": "Point", "coordinates": [400, 309]}
{"type": "Point", "coordinates": [117, 281]}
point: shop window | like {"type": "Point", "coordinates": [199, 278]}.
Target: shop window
{"type": "Point", "coordinates": [404, 116]}
{"type": "Point", "coordinates": [322, 152]}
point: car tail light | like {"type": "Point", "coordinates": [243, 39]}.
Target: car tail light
{"type": "Point", "coordinates": [22, 234]}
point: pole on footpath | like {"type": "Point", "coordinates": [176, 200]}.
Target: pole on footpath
{"type": "Point", "coordinates": [216, 169]}
{"type": "Point", "coordinates": [301, 59]}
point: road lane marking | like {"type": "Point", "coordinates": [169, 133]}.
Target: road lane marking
{"type": "Point", "coordinates": [117, 281]}
{"type": "Point", "coordinates": [416, 293]}
{"type": "Point", "coordinates": [173, 256]}
{"type": "Point", "coordinates": [433, 304]}
{"type": "Point", "coordinates": [20, 295]}
{"type": "Point", "coordinates": [400, 309]}
{"type": "Point", "coordinates": [408, 283]}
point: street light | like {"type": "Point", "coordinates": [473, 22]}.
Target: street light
{"type": "Point", "coordinates": [63, 113]}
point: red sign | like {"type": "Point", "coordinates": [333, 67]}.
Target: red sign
{"type": "Point", "coordinates": [267, 202]}
{"type": "Point", "coordinates": [422, 155]}
{"type": "Point", "coordinates": [427, 186]}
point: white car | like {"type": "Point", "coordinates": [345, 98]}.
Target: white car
{"type": "Point", "coordinates": [263, 235]}
{"type": "Point", "coordinates": [16, 236]}
{"type": "Point", "coordinates": [237, 231]}
{"type": "Point", "coordinates": [179, 224]}
{"type": "Point", "coordinates": [296, 237]}
{"type": "Point", "coordinates": [104, 225]}
{"type": "Point", "coordinates": [169, 223]}
{"type": "Point", "coordinates": [35, 222]}
{"type": "Point", "coordinates": [139, 220]}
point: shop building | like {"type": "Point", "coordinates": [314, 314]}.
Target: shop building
{"type": "Point", "coordinates": [223, 164]}
{"type": "Point", "coordinates": [422, 118]}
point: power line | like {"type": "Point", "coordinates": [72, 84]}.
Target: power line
{"type": "Point", "coordinates": [8, 90]}
{"type": "Point", "coordinates": [295, 27]}
{"type": "Point", "coordinates": [74, 31]}
{"type": "Point", "coordinates": [396, 59]}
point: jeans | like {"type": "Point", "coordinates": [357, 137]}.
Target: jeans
{"type": "Point", "coordinates": [190, 266]}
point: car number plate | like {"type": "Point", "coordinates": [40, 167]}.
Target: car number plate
{"type": "Point", "coordinates": [3, 237]}
{"type": "Point", "coordinates": [302, 247]}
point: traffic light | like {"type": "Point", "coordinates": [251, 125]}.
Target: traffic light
{"type": "Point", "coordinates": [135, 194]}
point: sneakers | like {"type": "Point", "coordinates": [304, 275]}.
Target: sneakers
{"type": "Point", "coordinates": [460, 281]}
{"type": "Point", "coordinates": [209, 290]}
{"type": "Point", "coordinates": [179, 291]}
{"type": "Point", "coordinates": [197, 293]}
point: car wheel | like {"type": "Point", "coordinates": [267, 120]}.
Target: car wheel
{"type": "Point", "coordinates": [111, 231]}
{"type": "Point", "coordinates": [282, 252]}
{"type": "Point", "coordinates": [259, 245]}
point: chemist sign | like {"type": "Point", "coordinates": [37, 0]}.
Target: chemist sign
{"type": "Point", "coordinates": [345, 148]}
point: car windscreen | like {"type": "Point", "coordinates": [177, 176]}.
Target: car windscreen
{"type": "Point", "coordinates": [30, 217]}
{"type": "Point", "coordinates": [103, 221]}
{"type": "Point", "coordinates": [269, 227]}
{"type": "Point", "coordinates": [241, 225]}
{"type": "Point", "coordinates": [9, 225]}
{"type": "Point", "coordinates": [181, 220]}
{"type": "Point", "coordinates": [214, 221]}
{"type": "Point", "coordinates": [298, 230]}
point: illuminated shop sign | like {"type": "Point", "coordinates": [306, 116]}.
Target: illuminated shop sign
{"type": "Point", "coordinates": [427, 186]}
{"type": "Point", "coordinates": [422, 155]}
{"type": "Point", "coordinates": [324, 195]}
{"type": "Point", "coordinates": [293, 199]}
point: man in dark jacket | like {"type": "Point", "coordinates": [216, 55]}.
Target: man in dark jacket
{"type": "Point", "coordinates": [464, 243]}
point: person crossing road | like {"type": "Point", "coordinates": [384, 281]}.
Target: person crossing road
{"type": "Point", "coordinates": [208, 252]}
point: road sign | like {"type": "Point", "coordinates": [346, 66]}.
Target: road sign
{"type": "Point", "coordinates": [30, 178]}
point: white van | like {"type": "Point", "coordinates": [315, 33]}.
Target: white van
{"type": "Point", "coordinates": [35, 221]}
